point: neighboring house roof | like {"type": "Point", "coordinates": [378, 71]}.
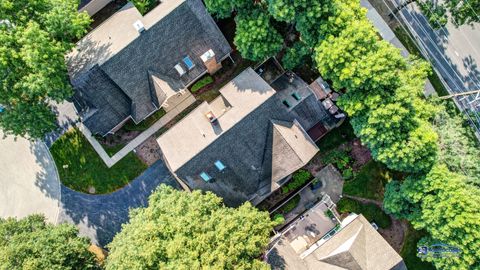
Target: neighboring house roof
{"type": "Point", "coordinates": [142, 64]}
{"type": "Point", "coordinates": [107, 104]}
{"type": "Point", "coordinates": [357, 246]}
{"type": "Point", "coordinates": [252, 123]}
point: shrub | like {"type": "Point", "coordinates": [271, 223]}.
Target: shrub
{"type": "Point", "coordinates": [145, 6]}
{"type": "Point", "coordinates": [278, 219]}
{"type": "Point", "coordinates": [299, 178]}
{"type": "Point", "coordinates": [290, 205]}
{"type": "Point", "coordinates": [347, 174]}
{"type": "Point", "coordinates": [201, 83]}
{"type": "Point", "coordinates": [329, 213]}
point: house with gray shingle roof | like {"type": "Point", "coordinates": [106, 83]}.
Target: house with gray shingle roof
{"type": "Point", "coordinates": [247, 142]}
{"type": "Point", "coordinates": [354, 245]}
{"type": "Point", "coordinates": [132, 65]}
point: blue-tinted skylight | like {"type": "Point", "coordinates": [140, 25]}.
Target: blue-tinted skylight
{"type": "Point", "coordinates": [188, 62]}
{"type": "Point", "coordinates": [205, 176]}
{"type": "Point", "coordinates": [219, 165]}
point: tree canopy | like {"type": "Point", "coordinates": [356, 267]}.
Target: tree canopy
{"type": "Point", "coordinates": [224, 8]}
{"type": "Point", "coordinates": [446, 207]}
{"type": "Point", "coordinates": [380, 84]}
{"type": "Point", "coordinates": [180, 230]}
{"type": "Point", "coordinates": [255, 37]}
{"type": "Point", "coordinates": [34, 37]}
{"type": "Point", "coordinates": [31, 243]}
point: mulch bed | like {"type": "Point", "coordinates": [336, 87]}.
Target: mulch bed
{"type": "Point", "coordinates": [149, 151]}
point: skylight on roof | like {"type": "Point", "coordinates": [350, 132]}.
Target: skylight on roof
{"type": "Point", "coordinates": [205, 176]}
{"type": "Point", "coordinates": [219, 165]}
{"type": "Point", "coordinates": [188, 62]}
{"type": "Point", "coordinates": [179, 69]}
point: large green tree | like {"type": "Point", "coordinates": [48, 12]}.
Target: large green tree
{"type": "Point", "coordinates": [255, 37]}
{"type": "Point", "coordinates": [34, 37]}
{"type": "Point", "coordinates": [31, 243]}
{"type": "Point", "coordinates": [180, 230]}
{"type": "Point", "coordinates": [446, 207]}
{"type": "Point", "coordinates": [379, 84]}
{"type": "Point", "coordinates": [307, 15]}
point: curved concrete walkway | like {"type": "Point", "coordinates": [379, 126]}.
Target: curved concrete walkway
{"type": "Point", "coordinates": [100, 217]}
{"type": "Point", "coordinates": [28, 179]}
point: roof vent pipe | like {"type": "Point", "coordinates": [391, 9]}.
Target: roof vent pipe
{"type": "Point", "coordinates": [139, 26]}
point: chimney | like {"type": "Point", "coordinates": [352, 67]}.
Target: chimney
{"type": "Point", "coordinates": [210, 62]}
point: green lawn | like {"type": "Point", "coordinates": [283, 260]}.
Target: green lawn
{"type": "Point", "coordinates": [80, 167]}
{"type": "Point", "coordinates": [409, 251]}
{"type": "Point", "coordinates": [370, 211]}
{"type": "Point", "coordinates": [413, 49]}
{"type": "Point", "coordinates": [369, 182]}
{"type": "Point", "coordinates": [336, 137]}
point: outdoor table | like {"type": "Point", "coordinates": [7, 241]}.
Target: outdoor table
{"type": "Point", "coordinates": [327, 103]}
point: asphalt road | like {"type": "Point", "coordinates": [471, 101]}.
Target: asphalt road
{"type": "Point", "coordinates": [29, 182]}
{"type": "Point", "coordinates": [100, 217]}
{"type": "Point", "coordinates": [454, 52]}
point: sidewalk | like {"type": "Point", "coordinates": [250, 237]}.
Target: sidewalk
{"type": "Point", "coordinates": [110, 161]}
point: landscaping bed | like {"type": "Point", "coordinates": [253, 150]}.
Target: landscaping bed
{"type": "Point", "coordinates": [370, 211]}
{"type": "Point", "coordinates": [112, 143]}
{"type": "Point", "coordinates": [299, 179]}
{"type": "Point", "coordinates": [81, 169]}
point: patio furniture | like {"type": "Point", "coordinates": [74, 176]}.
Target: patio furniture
{"type": "Point", "coordinates": [327, 103]}
{"type": "Point", "coordinates": [333, 109]}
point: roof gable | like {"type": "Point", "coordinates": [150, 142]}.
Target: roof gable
{"type": "Point", "coordinates": [292, 148]}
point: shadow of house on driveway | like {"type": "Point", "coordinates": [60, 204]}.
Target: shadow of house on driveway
{"type": "Point", "coordinates": [100, 217]}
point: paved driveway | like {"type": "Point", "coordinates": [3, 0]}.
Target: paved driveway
{"type": "Point", "coordinates": [28, 179]}
{"type": "Point", "coordinates": [99, 217]}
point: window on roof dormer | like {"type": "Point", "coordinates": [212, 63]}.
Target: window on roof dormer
{"type": "Point", "coordinates": [188, 62]}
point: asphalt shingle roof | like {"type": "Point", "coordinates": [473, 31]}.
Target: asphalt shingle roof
{"type": "Point", "coordinates": [243, 143]}
{"type": "Point", "coordinates": [186, 30]}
